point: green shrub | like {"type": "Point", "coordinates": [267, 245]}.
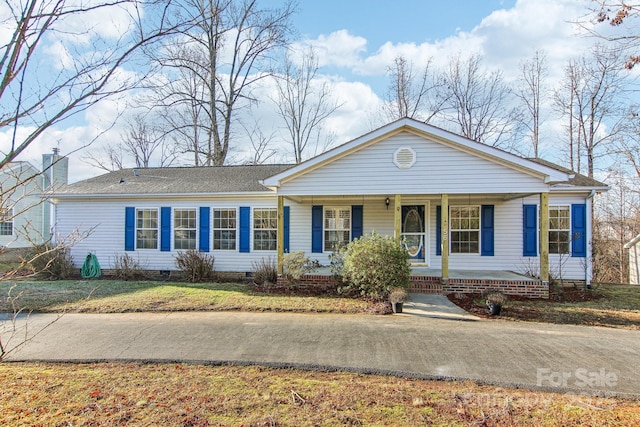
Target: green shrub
{"type": "Point", "coordinates": [196, 266]}
{"type": "Point", "coordinates": [373, 265]}
{"type": "Point", "coordinates": [265, 271]}
{"type": "Point", "coordinates": [296, 265]}
{"type": "Point", "coordinates": [126, 267]}
{"type": "Point", "coordinates": [52, 262]}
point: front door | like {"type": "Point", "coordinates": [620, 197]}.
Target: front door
{"type": "Point", "coordinates": [414, 232]}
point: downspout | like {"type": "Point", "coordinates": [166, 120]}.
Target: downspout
{"type": "Point", "coordinates": [589, 254]}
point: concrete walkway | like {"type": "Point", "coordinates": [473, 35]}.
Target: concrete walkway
{"type": "Point", "coordinates": [434, 305]}
{"type": "Point", "coordinates": [537, 356]}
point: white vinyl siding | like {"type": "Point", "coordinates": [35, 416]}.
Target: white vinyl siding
{"type": "Point", "coordinates": [147, 228]}
{"type": "Point", "coordinates": [184, 229]}
{"type": "Point", "coordinates": [438, 169]}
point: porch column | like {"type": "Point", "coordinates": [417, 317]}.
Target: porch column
{"type": "Point", "coordinates": [280, 244]}
{"type": "Point", "coordinates": [544, 237]}
{"type": "Point", "coordinates": [397, 217]}
{"type": "Point", "coordinates": [444, 240]}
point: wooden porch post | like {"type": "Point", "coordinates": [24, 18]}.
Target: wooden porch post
{"type": "Point", "coordinates": [280, 244]}
{"type": "Point", "coordinates": [444, 241]}
{"type": "Point", "coordinates": [397, 217]}
{"type": "Point", "coordinates": [544, 237]}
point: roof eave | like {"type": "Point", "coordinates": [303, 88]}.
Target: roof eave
{"type": "Point", "coordinates": [160, 195]}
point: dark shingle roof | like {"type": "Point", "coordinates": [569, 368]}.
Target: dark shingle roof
{"type": "Point", "coordinates": [177, 180]}
{"type": "Point", "coordinates": [578, 180]}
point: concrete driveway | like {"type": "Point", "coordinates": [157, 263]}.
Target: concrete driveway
{"type": "Point", "coordinates": [538, 356]}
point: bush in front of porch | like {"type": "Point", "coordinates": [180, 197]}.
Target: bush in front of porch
{"type": "Point", "coordinates": [373, 264]}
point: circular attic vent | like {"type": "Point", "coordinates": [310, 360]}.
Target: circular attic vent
{"type": "Point", "coordinates": [404, 157]}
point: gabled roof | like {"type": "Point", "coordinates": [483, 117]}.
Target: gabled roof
{"type": "Point", "coordinates": [542, 170]}
{"type": "Point", "coordinates": [578, 180]}
{"type": "Point", "coordinates": [175, 180]}
{"type": "Point", "coordinates": [632, 242]}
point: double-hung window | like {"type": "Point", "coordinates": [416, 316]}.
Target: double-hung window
{"type": "Point", "coordinates": [465, 229]}
{"type": "Point", "coordinates": [224, 229]}
{"type": "Point", "coordinates": [147, 228]}
{"type": "Point", "coordinates": [265, 229]}
{"type": "Point", "coordinates": [559, 229]}
{"type": "Point", "coordinates": [337, 228]}
{"type": "Point", "coordinates": [184, 228]}
{"type": "Point", "coordinates": [6, 222]}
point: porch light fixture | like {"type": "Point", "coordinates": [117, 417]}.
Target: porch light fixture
{"type": "Point", "coordinates": [387, 202]}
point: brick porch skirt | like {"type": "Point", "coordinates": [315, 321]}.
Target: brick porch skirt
{"type": "Point", "coordinates": [436, 285]}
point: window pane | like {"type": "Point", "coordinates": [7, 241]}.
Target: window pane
{"type": "Point", "coordinates": [224, 229]}
{"type": "Point", "coordinates": [265, 225]}
{"type": "Point", "coordinates": [146, 228]}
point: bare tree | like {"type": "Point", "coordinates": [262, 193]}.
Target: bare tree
{"type": "Point", "coordinates": [621, 15]}
{"type": "Point", "coordinates": [412, 95]}
{"type": "Point", "coordinates": [219, 60]}
{"type": "Point", "coordinates": [33, 99]}
{"type": "Point", "coordinates": [261, 144]}
{"type": "Point", "coordinates": [594, 106]}
{"type": "Point", "coordinates": [627, 146]}
{"type": "Point", "coordinates": [532, 93]}
{"type": "Point", "coordinates": [141, 142]}
{"type": "Point", "coordinates": [303, 102]}
{"type": "Point", "coordinates": [477, 102]}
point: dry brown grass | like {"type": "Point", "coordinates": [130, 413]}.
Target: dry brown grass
{"type": "Point", "coordinates": [188, 395]}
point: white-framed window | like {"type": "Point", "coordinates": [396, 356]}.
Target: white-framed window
{"type": "Point", "coordinates": [265, 229]}
{"type": "Point", "coordinates": [6, 222]}
{"type": "Point", "coordinates": [559, 229]}
{"type": "Point", "coordinates": [337, 227]}
{"type": "Point", "coordinates": [224, 229]}
{"type": "Point", "coordinates": [147, 228]}
{"type": "Point", "coordinates": [465, 229]}
{"type": "Point", "coordinates": [184, 228]}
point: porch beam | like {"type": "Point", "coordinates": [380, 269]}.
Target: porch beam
{"type": "Point", "coordinates": [280, 243]}
{"type": "Point", "coordinates": [397, 217]}
{"type": "Point", "coordinates": [444, 240]}
{"type": "Point", "coordinates": [544, 237]}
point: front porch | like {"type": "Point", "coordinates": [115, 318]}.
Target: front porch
{"type": "Point", "coordinates": [430, 280]}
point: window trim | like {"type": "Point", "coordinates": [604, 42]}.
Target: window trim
{"type": "Point", "coordinates": [568, 230]}
{"type": "Point", "coordinates": [157, 228]}
{"type": "Point", "coordinates": [214, 229]}
{"type": "Point", "coordinates": [254, 229]}
{"type": "Point", "coordinates": [326, 229]}
{"type": "Point", "coordinates": [174, 228]}
{"type": "Point", "coordinates": [4, 213]}
{"type": "Point", "coordinates": [478, 230]}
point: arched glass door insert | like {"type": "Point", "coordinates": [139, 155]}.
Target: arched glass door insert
{"type": "Point", "coordinates": [413, 232]}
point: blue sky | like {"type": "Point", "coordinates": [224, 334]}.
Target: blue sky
{"type": "Point", "coordinates": [356, 41]}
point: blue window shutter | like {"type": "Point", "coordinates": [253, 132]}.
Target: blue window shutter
{"type": "Point", "coordinates": [529, 230]}
{"type": "Point", "coordinates": [165, 229]}
{"type": "Point", "coordinates": [356, 222]}
{"type": "Point", "coordinates": [438, 230]}
{"type": "Point", "coordinates": [486, 230]}
{"type": "Point", "coordinates": [205, 230]}
{"type": "Point", "coordinates": [245, 229]}
{"type": "Point", "coordinates": [129, 228]}
{"type": "Point", "coordinates": [286, 229]}
{"type": "Point", "coordinates": [579, 230]}
{"type": "Point", "coordinates": [316, 229]}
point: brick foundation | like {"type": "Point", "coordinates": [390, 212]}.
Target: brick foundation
{"type": "Point", "coordinates": [435, 285]}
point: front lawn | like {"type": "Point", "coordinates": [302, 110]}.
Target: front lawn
{"type": "Point", "coordinates": [189, 395]}
{"type": "Point", "coordinates": [615, 306]}
{"type": "Point", "coordinates": [116, 296]}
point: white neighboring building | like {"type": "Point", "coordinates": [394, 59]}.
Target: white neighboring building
{"type": "Point", "coordinates": [25, 211]}
{"type": "Point", "coordinates": [633, 247]}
